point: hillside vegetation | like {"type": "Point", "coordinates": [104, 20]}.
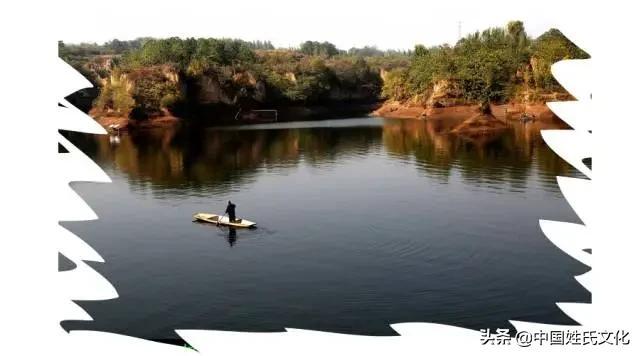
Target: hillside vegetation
{"type": "Point", "coordinates": [495, 65]}
{"type": "Point", "coordinates": [150, 77]}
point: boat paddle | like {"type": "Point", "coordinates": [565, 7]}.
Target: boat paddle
{"type": "Point", "coordinates": [218, 221]}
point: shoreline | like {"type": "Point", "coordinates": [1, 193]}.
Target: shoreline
{"type": "Point", "coordinates": [387, 110]}
{"type": "Point", "coordinates": [125, 123]}
{"type": "Point", "coordinates": [225, 117]}
{"type": "Point", "coordinates": [509, 111]}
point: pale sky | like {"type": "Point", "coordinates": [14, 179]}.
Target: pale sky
{"type": "Point", "coordinates": [398, 24]}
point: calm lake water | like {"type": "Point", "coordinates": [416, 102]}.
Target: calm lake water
{"type": "Point", "coordinates": [362, 223]}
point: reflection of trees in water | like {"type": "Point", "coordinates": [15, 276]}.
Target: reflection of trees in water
{"type": "Point", "coordinates": [322, 146]}
{"type": "Point", "coordinates": [85, 142]}
{"type": "Point", "coordinates": [507, 156]}
{"type": "Point", "coordinates": [546, 160]}
{"type": "Point", "coordinates": [219, 159]}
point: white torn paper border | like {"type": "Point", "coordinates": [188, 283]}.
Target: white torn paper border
{"type": "Point", "coordinates": [415, 338]}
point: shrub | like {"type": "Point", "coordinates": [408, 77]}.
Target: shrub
{"type": "Point", "coordinates": [116, 98]}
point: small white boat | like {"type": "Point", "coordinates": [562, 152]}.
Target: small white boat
{"type": "Point", "coordinates": [222, 220]}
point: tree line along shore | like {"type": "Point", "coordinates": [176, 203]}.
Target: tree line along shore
{"type": "Point", "coordinates": [149, 81]}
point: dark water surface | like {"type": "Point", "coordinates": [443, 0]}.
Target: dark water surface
{"type": "Point", "coordinates": [362, 223]}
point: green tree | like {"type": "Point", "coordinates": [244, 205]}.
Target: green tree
{"type": "Point", "coordinates": [314, 48]}
{"type": "Point", "coordinates": [420, 50]}
{"type": "Point", "coordinates": [550, 47]}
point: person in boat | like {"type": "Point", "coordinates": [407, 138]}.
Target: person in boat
{"type": "Point", "coordinates": [231, 210]}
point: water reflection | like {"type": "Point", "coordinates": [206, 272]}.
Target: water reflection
{"type": "Point", "coordinates": [362, 223]}
{"type": "Point", "coordinates": [230, 234]}
{"type": "Point", "coordinates": [511, 156]}
{"type": "Point", "coordinates": [166, 161]}
{"type": "Point", "coordinates": [232, 237]}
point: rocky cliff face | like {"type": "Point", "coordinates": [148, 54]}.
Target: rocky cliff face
{"type": "Point", "coordinates": [384, 74]}
{"type": "Point", "coordinates": [156, 74]}
{"type": "Point", "coordinates": [166, 72]}
{"type": "Point", "coordinates": [135, 91]}
{"type": "Point", "coordinates": [157, 82]}
{"type": "Point", "coordinates": [209, 91]}
{"type": "Point", "coordinates": [445, 93]}
{"type": "Point", "coordinates": [142, 92]}
{"type": "Point", "coordinates": [291, 76]}
{"type": "Point", "coordinates": [340, 94]}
